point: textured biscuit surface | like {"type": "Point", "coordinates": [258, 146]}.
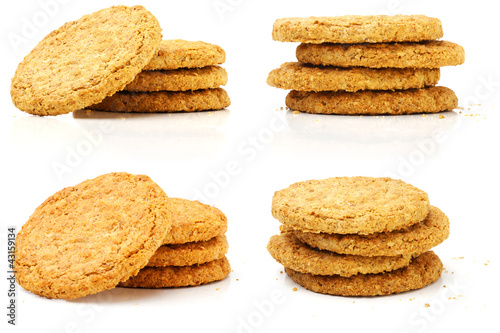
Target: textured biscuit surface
{"type": "Point", "coordinates": [373, 102]}
{"type": "Point", "coordinates": [190, 253]}
{"type": "Point", "coordinates": [357, 29]}
{"type": "Point", "coordinates": [422, 271]}
{"type": "Point", "coordinates": [306, 77]}
{"type": "Point", "coordinates": [165, 101]}
{"type": "Point", "coordinates": [89, 237]}
{"type": "Point", "coordinates": [418, 238]}
{"type": "Point", "coordinates": [86, 60]}
{"type": "Point", "coordinates": [429, 54]}
{"type": "Point", "coordinates": [350, 205]}
{"type": "Point", "coordinates": [179, 79]}
{"type": "Point", "coordinates": [179, 276]}
{"type": "Point", "coordinates": [178, 53]}
{"type": "Point", "coordinates": [193, 221]}
{"type": "Point", "coordinates": [292, 253]}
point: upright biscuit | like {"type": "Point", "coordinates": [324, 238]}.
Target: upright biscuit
{"type": "Point", "coordinates": [179, 276]}
{"type": "Point", "coordinates": [305, 77]}
{"type": "Point", "coordinates": [191, 253]}
{"type": "Point", "coordinates": [423, 270]}
{"type": "Point", "coordinates": [418, 238]}
{"type": "Point", "coordinates": [86, 60]}
{"type": "Point", "coordinates": [178, 53]}
{"type": "Point", "coordinates": [87, 238]}
{"type": "Point", "coordinates": [373, 102]}
{"type": "Point", "coordinates": [290, 252]}
{"type": "Point", "coordinates": [357, 29]}
{"type": "Point", "coordinates": [429, 54]}
{"type": "Point", "coordinates": [165, 101]}
{"type": "Point", "coordinates": [179, 79]}
{"type": "Point", "coordinates": [350, 205]}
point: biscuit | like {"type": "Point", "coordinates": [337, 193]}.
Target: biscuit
{"type": "Point", "coordinates": [423, 270]}
{"type": "Point", "coordinates": [306, 77]}
{"type": "Point", "coordinates": [292, 253]}
{"type": "Point", "coordinates": [178, 53]}
{"type": "Point", "coordinates": [430, 54]}
{"type": "Point", "coordinates": [179, 276]}
{"type": "Point", "coordinates": [179, 79]}
{"type": "Point", "coordinates": [189, 253]}
{"type": "Point", "coordinates": [418, 238]}
{"type": "Point", "coordinates": [87, 238]}
{"type": "Point", "coordinates": [350, 205]}
{"type": "Point", "coordinates": [165, 101]}
{"type": "Point", "coordinates": [373, 102]}
{"type": "Point", "coordinates": [86, 60]}
{"type": "Point", "coordinates": [193, 221]}
{"type": "Point", "coordinates": [357, 29]}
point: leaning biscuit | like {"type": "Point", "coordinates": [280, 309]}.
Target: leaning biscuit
{"type": "Point", "coordinates": [290, 252]}
{"type": "Point", "coordinates": [305, 77]}
{"type": "Point", "coordinates": [430, 54]}
{"type": "Point", "coordinates": [179, 276]}
{"type": "Point", "coordinates": [357, 29]}
{"type": "Point", "coordinates": [350, 205]}
{"type": "Point", "coordinates": [179, 79]}
{"type": "Point", "coordinates": [87, 238]}
{"type": "Point", "coordinates": [373, 102]}
{"type": "Point", "coordinates": [86, 60]}
{"type": "Point", "coordinates": [165, 101]}
{"type": "Point", "coordinates": [423, 270]}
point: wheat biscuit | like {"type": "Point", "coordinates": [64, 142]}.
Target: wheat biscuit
{"type": "Point", "coordinates": [422, 271]}
{"type": "Point", "coordinates": [165, 101]}
{"type": "Point", "coordinates": [193, 221]}
{"type": "Point", "coordinates": [418, 238]}
{"type": "Point", "coordinates": [178, 53]}
{"type": "Point", "coordinates": [350, 205]}
{"type": "Point", "coordinates": [179, 276]}
{"type": "Point", "coordinates": [290, 252]}
{"type": "Point", "coordinates": [87, 238]}
{"type": "Point", "coordinates": [373, 102]}
{"type": "Point", "coordinates": [190, 253]}
{"type": "Point", "coordinates": [179, 79]}
{"type": "Point", "coordinates": [86, 60]}
{"type": "Point", "coordinates": [357, 29]}
{"type": "Point", "coordinates": [306, 77]}
{"type": "Point", "coordinates": [429, 54]}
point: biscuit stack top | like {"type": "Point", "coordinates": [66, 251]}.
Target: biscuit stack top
{"type": "Point", "coordinates": [358, 236]}
{"type": "Point", "coordinates": [366, 64]}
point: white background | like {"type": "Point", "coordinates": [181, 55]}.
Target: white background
{"type": "Point", "coordinates": [454, 159]}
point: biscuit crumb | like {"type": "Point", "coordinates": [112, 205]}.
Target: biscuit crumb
{"type": "Point", "coordinates": [295, 112]}
{"type": "Point", "coordinates": [217, 289]}
{"type": "Point", "coordinates": [237, 279]}
{"type": "Point", "coordinates": [294, 289]}
{"type": "Point", "coordinates": [441, 116]}
{"type": "Point", "coordinates": [281, 272]}
{"type": "Point", "coordinates": [427, 305]}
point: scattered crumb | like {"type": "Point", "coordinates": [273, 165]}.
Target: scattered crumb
{"type": "Point", "coordinates": [485, 264]}
{"type": "Point", "coordinates": [276, 279]}
{"type": "Point", "coordinates": [294, 289]}
{"type": "Point", "coordinates": [237, 279]}
{"type": "Point", "coordinates": [209, 112]}
{"type": "Point", "coordinates": [281, 108]}
{"type": "Point", "coordinates": [427, 305]}
{"type": "Point", "coordinates": [411, 299]}
{"type": "Point", "coordinates": [444, 286]}
{"type": "Point", "coordinates": [460, 108]}
{"type": "Point", "coordinates": [316, 119]}
{"type": "Point", "coordinates": [353, 302]}
{"type": "Point", "coordinates": [456, 258]}
{"type": "Point", "coordinates": [441, 116]}
{"type": "Point", "coordinates": [281, 272]}
{"type": "Point", "coordinates": [295, 112]}
{"type": "Point", "coordinates": [217, 289]}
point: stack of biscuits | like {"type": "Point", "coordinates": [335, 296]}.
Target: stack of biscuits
{"type": "Point", "coordinates": [184, 76]}
{"type": "Point", "coordinates": [358, 236]}
{"type": "Point", "coordinates": [115, 60]}
{"type": "Point", "coordinates": [366, 65]}
{"type": "Point", "coordinates": [119, 229]}
{"type": "Point", "coordinates": [193, 252]}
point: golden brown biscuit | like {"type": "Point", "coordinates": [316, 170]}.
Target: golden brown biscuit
{"type": "Point", "coordinates": [305, 77]}
{"type": "Point", "coordinates": [373, 102]}
{"type": "Point", "coordinates": [350, 205]}
{"type": "Point", "coordinates": [87, 238]}
{"type": "Point", "coordinates": [423, 270]}
{"type": "Point", "coordinates": [165, 101]}
{"type": "Point", "coordinates": [292, 253]}
{"type": "Point", "coordinates": [193, 221]}
{"type": "Point", "coordinates": [178, 53]}
{"type": "Point", "coordinates": [190, 253]}
{"type": "Point", "coordinates": [179, 79]}
{"type": "Point", "coordinates": [429, 54]}
{"type": "Point", "coordinates": [418, 238]}
{"type": "Point", "coordinates": [179, 276]}
{"type": "Point", "coordinates": [86, 60]}
{"type": "Point", "coordinates": [357, 29]}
